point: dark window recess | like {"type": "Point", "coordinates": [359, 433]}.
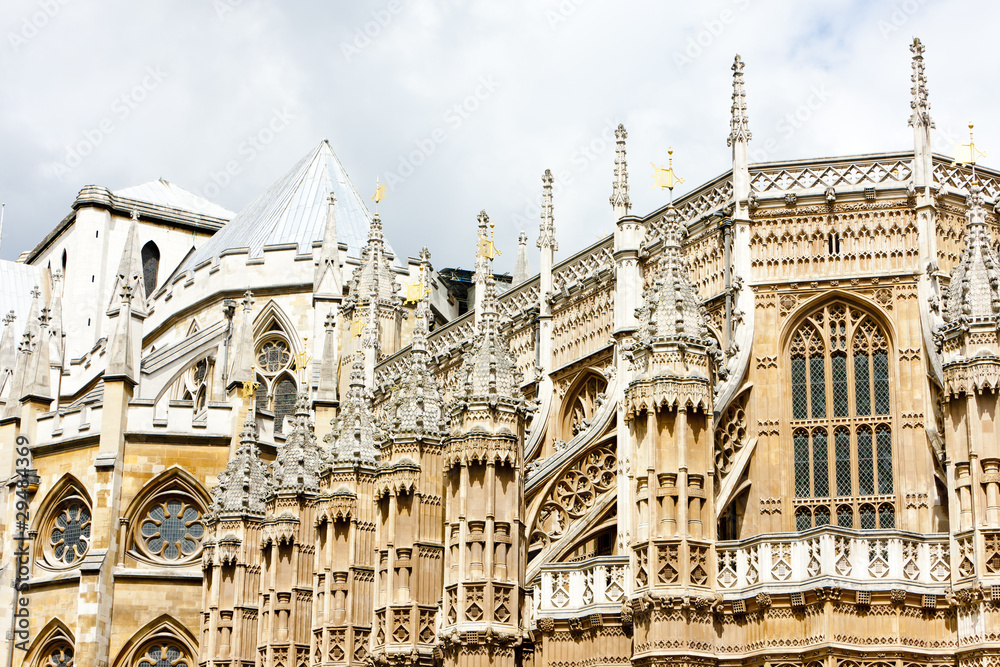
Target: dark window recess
{"type": "Point", "coordinates": [833, 243]}
{"type": "Point", "coordinates": [150, 266]}
{"type": "Point", "coordinates": [284, 401]}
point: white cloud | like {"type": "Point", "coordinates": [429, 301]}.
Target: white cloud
{"type": "Point", "coordinates": [566, 68]}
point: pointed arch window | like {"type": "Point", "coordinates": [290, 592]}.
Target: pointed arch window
{"type": "Point", "coordinates": [274, 356]}
{"type": "Point", "coordinates": [841, 418]}
{"type": "Point", "coordinates": [65, 531]}
{"type": "Point", "coordinates": [150, 266]}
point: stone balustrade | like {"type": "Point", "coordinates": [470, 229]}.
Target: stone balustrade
{"type": "Point", "coordinates": [592, 586]}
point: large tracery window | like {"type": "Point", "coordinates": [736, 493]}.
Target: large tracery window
{"type": "Point", "coordinates": [277, 388]}
{"type": "Point", "coordinates": [841, 423]}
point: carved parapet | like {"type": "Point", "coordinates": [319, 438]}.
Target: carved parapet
{"type": "Point", "coordinates": [972, 375]}
{"type": "Point", "coordinates": [481, 448]}
{"type": "Point", "coordinates": [670, 391]}
{"type": "Point", "coordinates": [398, 477]}
{"type": "Point", "coordinates": [280, 530]}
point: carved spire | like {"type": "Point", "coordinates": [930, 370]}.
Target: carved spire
{"type": "Point", "coordinates": [920, 104]}
{"type": "Point", "coordinates": [740, 123]}
{"type": "Point", "coordinates": [241, 369]}
{"type": "Point", "coordinates": [243, 485]}
{"type": "Point", "coordinates": [121, 362]}
{"type": "Point", "coordinates": [619, 188]}
{"type": "Point", "coordinates": [36, 380]}
{"type": "Point", "coordinates": [355, 437]}
{"type": "Point", "coordinates": [57, 344]}
{"type": "Point", "coordinates": [415, 407]}
{"type": "Point", "coordinates": [328, 364]}
{"type": "Point", "coordinates": [130, 271]}
{"type": "Point", "coordinates": [672, 310]}
{"type": "Point", "coordinates": [547, 228]}
{"type": "Point", "coordinates": [300, 461]}
{"type": "Point", "coordinates": [974, 289]}
{"type": "Point", "coordinates": [521, 265]}
{"type": "Point", "coordinates": [327, 281]}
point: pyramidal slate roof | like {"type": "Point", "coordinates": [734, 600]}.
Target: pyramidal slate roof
{"type": "Point", "coordinates": [294, 209]}
{"type": "Point", "coordinates": [170, 195]}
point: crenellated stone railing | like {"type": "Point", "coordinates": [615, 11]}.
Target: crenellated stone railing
{"type": "Point", "coordinates": [836, 557]}
{"type": "Point", "coordinates": [592, 586]}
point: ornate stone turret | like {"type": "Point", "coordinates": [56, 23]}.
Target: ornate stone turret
{"type": "Point", "coordinates": [669, 407]}
{"type": "Point", "coordinates": [232, 556]}
{"type": "Point", "coordinates": [288, 543]}
{"type": "Point", "coordinates": [345, 524]}
{"type": "Point", "coordinates": [484, 528]}
{"type": "Point", "coordinates": [619, 187]}
{"type": "Point", "coordinates": [373, 302]}
{"type": "Point", "coordinates": [521, 265]}
{"type": "Point", "coordinates": [409, 490]}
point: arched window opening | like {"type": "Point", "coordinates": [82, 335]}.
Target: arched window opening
{"type": "Point", "coordinates": [150, 266]}
{"type": "Point", "coordinates": [284, 401]}
{"type": "Point", "coordinates": [842, 428]}
{"type": "Point", "coordinates": [65, 257]}
{"type": "Point", "coordinates": [581, 405]}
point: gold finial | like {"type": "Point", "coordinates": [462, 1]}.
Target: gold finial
{"type": "Point", "coordinates": [357, 327]}
{"type": "Point", "coordinates": [487, 248]}
{"type": "Point", "coordinates": [665, 177]}
{"type": "Point", "coordinates": [302, 358]}
{"type": "Point", "coordinates": [380, 191]}
{"type": "Point", "coordinates": [249, 386]}
{"type": "Point", "coordinates": [968, 153]}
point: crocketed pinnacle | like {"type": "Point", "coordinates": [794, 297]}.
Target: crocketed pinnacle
{"type": "Point", "coordinates": [489, 369]}
{"type": "Point", "coordinates": [521, 265]}
{"type": "Point", "coordinates": [243, 485]}
{"type": "Point", "coordinates": [671, 310]}
{"type": "Point", "coordinates": [300, 460]}
{"type": "Point", "coordinates": [355, 436]}
{"type": "Point", "coordinates": [974, 289]}
{"type": "Point", "coordinates": [415, 407]}
{"type": "Point", "coordinates": [619, 187]}
{"type": "Point", "coordinates": [374, 278]}
{"type": "Point", "coordinates": [740, 123]}
{"type": "Point", "coordinates": [921, 116]}
{"type": "Point", "coordinates": [547, 228]}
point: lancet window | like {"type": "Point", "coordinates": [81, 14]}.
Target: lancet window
{"type": "Point", "coordinates": [277, 388]}
{"type": "Point", "coordinates": [842, 430]}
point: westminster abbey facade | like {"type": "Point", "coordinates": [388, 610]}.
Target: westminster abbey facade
{"type": "Point", "coordinates": [758, 426]}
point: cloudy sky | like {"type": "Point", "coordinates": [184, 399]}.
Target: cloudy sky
{"type": "Point", "coordinates": [461, 105]}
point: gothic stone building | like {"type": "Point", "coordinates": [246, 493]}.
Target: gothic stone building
{"type": "Point", "coordinates": [757, 426]}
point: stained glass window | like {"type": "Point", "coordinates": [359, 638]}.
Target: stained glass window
{"type": "Point", "coordinates": [867, 515]}
{"type": "Point", "coordinates": [866, 471]}
{"type": "Point", "coordinates": [163, 655]}
{"type": "Point", "coordinates": [822, 516]}
{"type": "Point", "coordinates": [838, 369]}
{"type": "Point", "coordinates": [800, 397]}
{"type": "Point", "coordinates": [817, 386]}
{"type": "Point", "coordinates": [886, 516]}
{"type": "Point", "coordinates": [172, 530]}
{"type": "Point", "coordinates": [843, 453]}
{"type": "Point", "coordinates": [801, 464]}
{"type": "Point", "coordinates": [284, 401]}
{"type": "Point", "coordinates": [802, 519]}
{"type": "Point", "coordinates": [821, 469]}
{"type": "Point", "coordinates": [862, 391]}
{"type": "Point", "coordinates": [70, 536]}
{"type": "Point", "coordinates": [273, 356]}
{"type": "Point", "coordinates": [845, 516]}
{"type": "Point", "coordinates": [884, 444]}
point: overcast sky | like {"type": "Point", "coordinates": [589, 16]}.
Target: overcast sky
{"type": "Point", "coordinates": [462, 105]}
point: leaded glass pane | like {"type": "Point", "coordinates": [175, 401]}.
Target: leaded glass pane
{"type": "Point", "coordinates": [284, 401]}
{"type": "Point", "coordinates": [843, 455]}
{"type": "Point", "coordinates": [70, 535]}
{"type": "Point", "coordinates": [886, 516]}
{"type": "Point", "coordinates": [172, 530]}
{"type": "Point", "coordinates": [273, 356]}
{"type": "Point", "coordinates": [822, 515]}
{"type": "Point", "coordinates": [866, 513]}
{"type": "Point", "coordinates": [838, 368]}
{"type": "Point", "coordinates": [883, 442]}
{"type": "Point", "coordinates": [260, 397]}
{"type": "Point", "coordinates": [821, 469]}
{"type": "Point", "coordinates": [880, 368]}
{"type": "Point", "coordinates": [862, 390]}
{"type": "Point", "coordinates": [802, 519]}
{"type": "Point", "coordinates": [845, 516]}
{"type": "Point", "coordinates": [817, 386]}
{"type": "Point", "coordinates": [801, 464]}
{"type": "Point", "coordinates": [162, 655]}
{"type": "Point", "coordinates": [799, 394]}
{"type": "Point", "coordinates": [866, 471]}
